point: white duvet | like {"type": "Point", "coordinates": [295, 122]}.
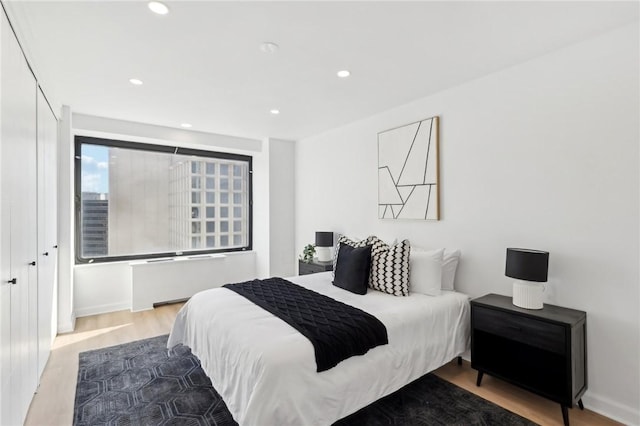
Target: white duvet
{"type": "Point", "coordinates": [265, 370]}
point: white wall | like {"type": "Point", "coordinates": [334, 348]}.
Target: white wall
{"type": "Point", "coordinates": [261, 229]}
{"type": "Point", "coordinates": [541, 155]}
{"type": "Point", "coordinates": [91, 125]}
{"type": "Point", "coordinates": [101, 287]}
{"type": "Point", "coordinates": [97, 288]}
{"type": "Point", "coordinates": [281, 208]}
{"type": "Point", "coordinates": [273, 212]}
{"type": "Point", "coordinates": [107, 287]}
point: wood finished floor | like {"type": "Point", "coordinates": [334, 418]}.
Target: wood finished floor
{"type": "Point", "coordinates": [53, 403]}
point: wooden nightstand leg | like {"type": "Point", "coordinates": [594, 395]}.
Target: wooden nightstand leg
{"type": "Point", "coordinates": [479, 379]}
{"type": "Point", "coordinates": [580, 404]}
{"type": "Point", "coordinates": [565, 415]}
{"type": "Point", "coordinates": [460, 362]}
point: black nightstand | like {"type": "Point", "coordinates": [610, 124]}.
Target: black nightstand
{"type": "Point", "coordinates": [314, 266]}
{"type": "Point", "coordinates": [543, 351]}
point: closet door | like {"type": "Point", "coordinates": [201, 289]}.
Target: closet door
{"type": "Point", "coordinates": [47, 230]}
{"type": "Point", "coordinates": [5, 256]}
{"type": "Point", "coordinates": [19, 222]}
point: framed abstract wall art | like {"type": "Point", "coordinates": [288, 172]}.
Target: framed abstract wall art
{"type": "Point", "coordinates": [408, 181]}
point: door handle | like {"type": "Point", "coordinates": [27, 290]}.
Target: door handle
{"type": "Point", "coordinates": [33, 263]}
{"type": "Point", "coordinates": [13, 281]}
{"type": "Point", "coordinates": [46, 253]}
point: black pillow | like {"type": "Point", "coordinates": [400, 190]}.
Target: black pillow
{"type": "Point", "coordinates": [352, 268]}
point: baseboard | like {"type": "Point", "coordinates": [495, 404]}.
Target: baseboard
{"type": "Point", "coordinates": [67, 327]}
{"type": "Point", "coordinates": [103, 309]}
{"type": "Point", "coordinates": [142, 309]}
{"type": "Point", "coordinates": [612, 409]}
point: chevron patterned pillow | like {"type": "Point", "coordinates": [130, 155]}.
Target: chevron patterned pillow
{"type": "Point", "coordinates": [390, 267]}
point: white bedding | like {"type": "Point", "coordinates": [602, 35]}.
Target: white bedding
{"type": "Point", "coordinates": [265, 370]}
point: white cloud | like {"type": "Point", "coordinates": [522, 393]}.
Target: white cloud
{"type": "Point", "coordinates": [88, 160]}
{"type": "Point", "coordinates": [90, 182]}
{"type": "Point", "coordinates": [94, 174]}
{"type": "Point", "coordinates": [92, 162]}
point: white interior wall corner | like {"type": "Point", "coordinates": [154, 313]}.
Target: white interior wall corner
{"type": "Point", "coordinates": [281, 208]}
{"type": "Point", "coordinates": [66, 227]}
{"type": "Point", "coordinates": [274, 209]}
{"type": "Point", "coordinates": [261, 199]}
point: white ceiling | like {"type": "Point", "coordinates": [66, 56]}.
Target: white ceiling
{"type": "Point", "coordinates": [202, 64]}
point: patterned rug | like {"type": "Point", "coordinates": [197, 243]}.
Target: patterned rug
{"type": "Point", "coordinates": [140, 383]}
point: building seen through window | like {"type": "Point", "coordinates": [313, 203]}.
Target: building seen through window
{"type": "Point", "coordinates": [134, 201]}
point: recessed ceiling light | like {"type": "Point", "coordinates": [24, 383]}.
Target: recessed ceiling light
{"type": "Point", "coordinates": [343, 73]}
{"type": "Point", "coordinates": [157, 7]}
{"type": "Point", "coordinates": [135, 81]}
{"type": "Point", "coordinates": [186, 125]}
{"type": "Point", "coordinates": [269, 47]}
{"type": "Point", "coordinates": [275, 111]}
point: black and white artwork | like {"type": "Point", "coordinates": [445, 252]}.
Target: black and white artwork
{"type": "Point", "coordinates": [408, 171]}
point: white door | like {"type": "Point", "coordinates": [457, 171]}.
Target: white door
{"type": "Point", "coordinates": [5, 299]}
{"type": "Point", "coordinates": [18, 144]}
{"type": "Point", "coordinates": [47, 230]}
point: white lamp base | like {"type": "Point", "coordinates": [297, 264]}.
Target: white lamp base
{"type": "Point", "coordinates": [528, 295]}
{"type": "Point", "coordinates": [324, 254]}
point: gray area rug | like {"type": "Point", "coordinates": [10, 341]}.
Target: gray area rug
{"type": "Point", "coordinates": [141, 383]}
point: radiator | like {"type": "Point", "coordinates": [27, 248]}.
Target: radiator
{"type": "Point", "coordinates": [163, 280]}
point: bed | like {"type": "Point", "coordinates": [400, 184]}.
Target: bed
{"type": "Point", "coordinates": [265, 370]}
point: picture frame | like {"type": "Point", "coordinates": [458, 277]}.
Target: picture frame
{"type": "Point", "coordinates": [408, 171]}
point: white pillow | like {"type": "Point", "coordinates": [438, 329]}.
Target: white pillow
{"type": "Point", "coordinates": [450, 261]}
{"type": "Point", "coordinates": [425, 272]}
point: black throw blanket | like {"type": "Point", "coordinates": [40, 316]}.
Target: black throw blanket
{"type": "Point", "coordinates": [337, 331]}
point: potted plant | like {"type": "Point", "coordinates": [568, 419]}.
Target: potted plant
{"type": "Point", "coordinates": [307, 253]}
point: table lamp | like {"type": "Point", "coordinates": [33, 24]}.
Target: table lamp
{"type": "Point", "coordinates": [529, 268]}
{"type": "Point", "coordinates": [324, 246]}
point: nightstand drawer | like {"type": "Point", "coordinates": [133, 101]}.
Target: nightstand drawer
{"type": "Point", "coordinates": [308, 268]}
{"type": "Point", "coordinates": [314, 267]}
{"type": "Point", "coordinates": [533, 332]}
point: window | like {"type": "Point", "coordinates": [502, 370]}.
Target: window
{"type": "Point", "coordinates": [138, 201]}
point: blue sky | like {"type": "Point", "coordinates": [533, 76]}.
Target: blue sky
{"type": "Point", "coordinates": [95, 168]}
